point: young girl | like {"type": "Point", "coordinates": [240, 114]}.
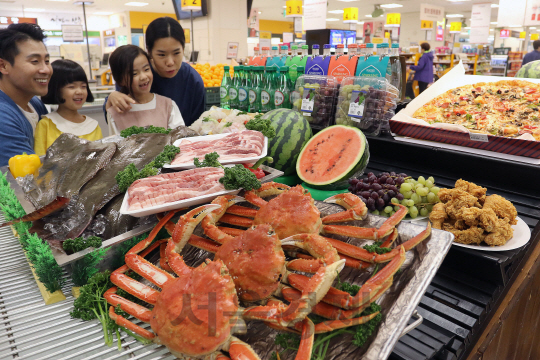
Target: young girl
{"type": "Point", "coordinates": [68, 88]}
{"type": "Point", "coordinates": [130, 68]}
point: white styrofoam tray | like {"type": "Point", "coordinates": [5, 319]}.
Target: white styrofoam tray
{"type": "Point", "coordinates": [240, 160]}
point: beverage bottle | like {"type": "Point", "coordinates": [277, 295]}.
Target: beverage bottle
{"type": "Point", "coordinates": [282, 90]}
{"type": "Point", "coordinates": [245, 83]}
{"type": "Point", "coordinates": [265, 51]}
{"type": "Point", "coordinates": [284, 50]}
{"type": "Point", "coordinates": [362, 51]}
{"type": "Point", "coordinates": [352, 50]}
{"type": "Point", "coordinates": [326, 50]}
{"type": "Point", "coordinates": [340, 48]}
{"type": "Point", "coordinates": [267, 91]}
{"type": "Point", "coordinates": [275, 51]}
{"type": "Point", "coordinates": [224, 89]}
{"type": "Point", "coordinates": [315, 50]}
{"type": "Point", "coordinates": [369, 49]}
{"type": "Point", "coordinates": [305, 50]}
{"type": "Point", "coordinates": [294, 50]}
{"type": "Point", "coordinates": [396, 67]}
{"type": "Point", "coordinates": [255, 90]}
{"type": "Point", "coordinates": [233, 89]}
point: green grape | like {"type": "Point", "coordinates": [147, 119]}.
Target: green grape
{"type": "Point", "coordinates": [429, 184]}
{"type": "Point", "coordinates": [408, 194]}
{"type": "Point", "coordinates": [375, 212]}
{"type": "Point", "coordinates": [405, 187]}
{"type": "Point", "coordinates": [410, 203]}
{"type": "Point", "coordinates": [424, 211]}
{"type": "Point", "coordinates": [413, 211]}
{"type": "Point", "coordinates": [418, 186]}
{"type": "Point", "coordinates": [415, 198]}
{"type": "Point", "coordinates": [392, 213]}
{"type": "Point", "coordinates": [435, 190]}
{"type": "Point", "coordinates": [436, 199]}
{"type": "Point", "coordinates": [405, 202]}
{"type": "Point", "coordinates": [429, 207]}
{"type": "Point", "coordinates": [394, 201]}
{"type": "Point", "coordinates": [388, 209]}
{"type": "Point", "coordinates": [422, 191]}
{"type": "Point", "coordinates": [423, 199]}
{"type": "Point", "coordinates": [396, 208]}
{"type": "Point", "coordinates": [431, 197]}
{"type": "Point", "coordinates": [422, 180]}
{"type": "Point", "coordinates": [431, 179]}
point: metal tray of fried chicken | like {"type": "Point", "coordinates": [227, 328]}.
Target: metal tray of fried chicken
{"type": "Point", "coordinates": [127, 226]}
{"type": "Point", "coordinates": [398, 302]}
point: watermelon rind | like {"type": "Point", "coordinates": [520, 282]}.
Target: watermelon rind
{"type": "Point", "coordinates": [530, 70]}
{"type": "Point", "coordinates": [292, 133]}
{"type": "Point", "coordinates": [356, 168]}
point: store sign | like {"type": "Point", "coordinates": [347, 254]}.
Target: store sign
{"type": "Point", "coordinates": [232, 50]}
{"type": "Point", "coordinates": [505, 33]}
{"type": "Point", "coordinates": [350, 15]}
{"type": "Point", "coordinates": [72, 33]}
{"type": "Point", "coordinates": [387, 34]}
{"type": "Point", "coordinates": [532, 13]}
{"type": "Point", "coordinates": [426, 25]}
{"type": "Point", "coordinates": [265, 39]}
{"type": "Point", "coordinates": [439, 35]}
{"type": "Point", "coordinates": [7, 20]}
{"type": "Point", "coordinates": [194, 5]}
{"type": "Point", "coordinates": [455, 27]}
{"type": "Point", "coordinates": [480, 19]}
{"type": "Point", "coordinates": [534, 36]}
{"type": "Point", "coordinates": [314, 14]}
{"type": "Point", "coordinates": [522, 34]}
{"type": "Point", "coordinates": [377, 40]}
{"type": "Point", "coordinates": [293, 8]}
{"type": "Point", "coordinates": [253, 21]}
{"type": "Point", "coordinates": [512, 13]}
{"type": "Point", "coordinates": [393, 19]}
{"type": "Point", "coordinates": [431, 12]}
{"type": "Point", "coordinates": [108, 32]}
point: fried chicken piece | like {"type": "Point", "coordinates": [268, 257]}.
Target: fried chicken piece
{"type": "Point", "coordinates": [472, 235]}
{"type": "Point", "coordinates": [502, 207]}
{"type": "Point", "coordinates": [438, 215]}
{"type": "Point", "coordinates": [502, 233]}
{"type": "Point", "coordinates": [473, 189]}
{"type": "Point", "coordinates": [445, 195]}
{"type": "Point", "coordinates": [459, 200]}
{"type": "Point", "coordinates": [485, 218]}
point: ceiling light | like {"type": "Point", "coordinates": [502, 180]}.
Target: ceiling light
{"type": "Point", "coordinates": [34, 10]}
{"type": "Point", "coordinates": [454, 15]}
{"type": "Point", "coordinates": [493, 23]}
{"type": "Point", "coordinates": [447, 25]}
{"type": "Point", "coordinates": [494, 5]}
{"type": "Point", "coordinates": [514, 25]}
{"type": "Point", "coordinates": [332, 19]}
{"type": "Point", "coordinates": [532, 27]}
{"type": "Point", "coordinates": [467, 28]}
{"type": "Point", "coordinates": [100, 12]}
{"type": "Point", "coordinates": [260, 12]}
{"type": "Point", "coordinates": [391, 6]}
{"type": "Point", "coordinates": [368, 16]}
{"type": "Point", "coordinates": [336, 11]}
{"type": "Point", "coordinates": [135, 3]}
{"type": "Point", "coordinates": [464, 33]}
{"type": "Point", "coordinates": [490, 29]}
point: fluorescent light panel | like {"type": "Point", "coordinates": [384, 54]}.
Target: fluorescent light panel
{"type": "Point", "coordinates": [332, 19]}
{"type": "Point", "coordinates": [336, 11]}
{"type": "Point", "coordinates": [454, 16]}
{"type": "Point", "coordinates": [391, 6]}
{"type": "Point", "coordinates": [34, 10]}
{"type": "Point", "coordinates": [494, 5]}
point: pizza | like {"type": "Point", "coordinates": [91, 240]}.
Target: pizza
{"type": "Point", "coordinates": [507, 108]}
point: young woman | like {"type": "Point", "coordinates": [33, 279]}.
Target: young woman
{"type": "Point", "coordinates": [423, 72]}
{"type": "Point", "coordinates": [130, 68]}
{"type": "Point", "coordinates": [174, 79]}
{"type": "Point", "coordinates": [68, 88]}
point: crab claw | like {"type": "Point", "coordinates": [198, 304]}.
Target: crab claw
{"type": "Point", "coordinates": [315, 245]}
{"type": "Point", "coordinates": [356, 209]}
{"type": "Point", "coordinates": [210, 221]}
{"type": "Point", "coordinates": [408, 245]}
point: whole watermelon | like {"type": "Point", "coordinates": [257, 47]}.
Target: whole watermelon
{"type": "Point", "coordinates": [530, 70]}
{"type": "Point", "coordinates": [292, 133]}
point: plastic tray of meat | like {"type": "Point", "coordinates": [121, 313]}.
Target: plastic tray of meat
{"type": "Point", "coordinates": [232, 160]}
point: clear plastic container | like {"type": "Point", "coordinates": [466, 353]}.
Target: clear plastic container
{"type": "Point", "coordinates": [366, 103]}
{"type": "Point", "coordinates": [315, 97]}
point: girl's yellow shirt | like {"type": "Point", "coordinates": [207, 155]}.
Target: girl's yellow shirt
{"type": "Point", "coordinates": [51, 126]}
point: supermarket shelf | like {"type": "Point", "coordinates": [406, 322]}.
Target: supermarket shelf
{"type": "Point", "coordinates": [498, 67]}
{"type": "Point", "coordinates": [442, 62]}
{"type": "Point", "coordinates": [519, 60]}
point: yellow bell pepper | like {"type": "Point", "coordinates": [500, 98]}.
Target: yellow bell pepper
{"type": "Point", "coordinates": [22, 165]}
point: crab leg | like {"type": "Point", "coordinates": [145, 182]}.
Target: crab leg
{"type": "Point", "coordinates": [210, 221]}
{"type": "Point", "coordinates": [306, 342]}
{"type": "Point", "coordinates": [236, 220]}
{"type": "Point", "coordinates": [317, 246]}
{"type": "Point", "coordinates": [138, 311]}
{"type": "Point", "coordinates": [349, 262]}
{"type": "Point", "coordinates": [231, 231]}
{"type": "Point", "coordinates": [331, 325]}
{"type": "Point", "coordinates": [242, 211]}
{"type": "Point", "coordinates": [356, 209]}
{"type": "Point", "coordinates": [315, 290]}
{"type": "Point", "coordinates": [390, 239]}
{"type": "Point", "coordinates": [120, 320]}
{"type": "Point", "coordinates": [267, 189]}
{"type": "Point", "coordinates": [366, 292]}
{"type": "Point", "coordinates": [55, 205]}
{"type": "Point", "coordinates": [239, 350]}
{"type": "Point", "coordinates": [408, 245]}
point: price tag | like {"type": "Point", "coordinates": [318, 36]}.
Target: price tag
{"type": "Point", "coordinates": [356, 106]}
{"type": "Point", "coordinates": [426, 25]}
{"type": "Point", "coordinates": [306, 114]}
{"type": "Point", "coordinates": [534, 36]}
{"type": "Point", "coordinates": [293, 8]}
{"type": "Point", "coordinates": [455, 27]}
{"type": "Point", "coordinates": [350, 15]}
{"type": "Point", "coordinates": [308, 101]}
{"type": "Point", "coordinates": [265, 35]}
{"type": "Point", "coordinates": [393, 19]}
{"type": "Point", "coordinates": [194, 5]}
{"type": "Point", "coordinates": [479, 137]}
{"type": "Point", "coordinates": [522, 34]}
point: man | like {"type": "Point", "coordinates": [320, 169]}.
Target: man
{"type": "Point", "coordinates": [533, 55]}
{"type": "Point", "coordinates": [25, 72]}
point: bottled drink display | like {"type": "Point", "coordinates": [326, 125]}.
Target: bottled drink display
{"type": "Point", "coordinates": [255, 90]}
{"type": "Point", "coordinates": [267, 91]}
{"type": "Point", "coordinates": [233, 89]}
{"type": "Point", "coordinates": [224, 89]}
{"type": "Point", "coordinates": [243, 88]}
{"type": "Point", "coordinates": [282, 89]}
{"type": "Point", "coordinates": [318, 64]}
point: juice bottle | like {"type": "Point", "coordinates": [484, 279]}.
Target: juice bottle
{"type": "Point", "coordinates": [282, 89]}
{"type": "Point", "coordinates": [233, 89]}
{"type": "Point", "coordinates": [245, 84]}
{"type": "Point", "coordinates": [224, 89]}
{"type": "Point", "coordinates": [340, 65]}
{"type": "Point", "coordinates": [260, 60]}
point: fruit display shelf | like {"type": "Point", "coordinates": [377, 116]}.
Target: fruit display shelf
{"type": "Point", "coordinates": [466, 294]}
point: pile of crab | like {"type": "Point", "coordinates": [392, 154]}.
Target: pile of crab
{"type": "Point", "coordinates": [197, 310]}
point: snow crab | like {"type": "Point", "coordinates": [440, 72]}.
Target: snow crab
{"type": "Point", "coordinates": [197, 313]}
{"type": "Point", "coordinates": [294, 216]}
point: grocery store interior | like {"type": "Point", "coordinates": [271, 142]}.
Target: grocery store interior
{"type": "Point", "coordinates": [391, 136]}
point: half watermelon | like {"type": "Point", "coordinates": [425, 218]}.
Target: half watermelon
{"type": "Point", "coordinates": [332, 156]}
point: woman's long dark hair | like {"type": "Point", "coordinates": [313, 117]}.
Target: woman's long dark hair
{"type": "Point", "coordinates": [121, 63]}
{"type": "Point", "coordinates": [65, 72]}
{"type": "Point", "coordinates": [164, 27]}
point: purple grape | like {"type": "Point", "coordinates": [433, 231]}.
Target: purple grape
{"type": "Point", "coordinates": [376, 187]}
{"type": "Point", "coordinates": [390, 181]}
{"type": "Point", "coordinates": [383, 179]}
{"type": "Point", "coordinates": [402, 175]}
{"type": "Point", "coordinates": [370, 174]}
{"type": "Point", "coordinates": [393, 174]}
{"type": "Point", "coordinates": [393, 188]}
{"type": "Point", "coordinates": [374, 196]}
{"type": "Point", "coordinates": [400, 181]}
{"type": "Point", "coordinates": [391, 193]}
{"type": "Point", "coordinates": [372, 178]}
{"type": "Point", "coordinates": [386, 198]}
{"type": "Point", "coordinates": [362, 198]}
{"type": "Point", "coordinates": [359, 187]}
{"type": "Point", "coordinates": [365, 194]}
{"type": "Point", "coordinates": [351, 189]}
{"type": "Point", "coordinates": [380, 204]}
{"type": "Point", "coordinates": [354, 181]}
{"type": "Point", "coordinates": [370, 204]}
{"type": "Point", "coordinates": [400, 196]}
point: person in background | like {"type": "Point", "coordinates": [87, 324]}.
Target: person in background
{"type": "Point", "coordinates": [24, 73]}
{"type": "Point", "coordinates": [423, 72]}
{"type": "Point", "coordinates": [68, 88]}
{"type": "Point", "coordinates": [533, 55]}
{"type": "Point", "coordinates": [130, 68]}
{"type": "Point", "coordinates": [174, 79]}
